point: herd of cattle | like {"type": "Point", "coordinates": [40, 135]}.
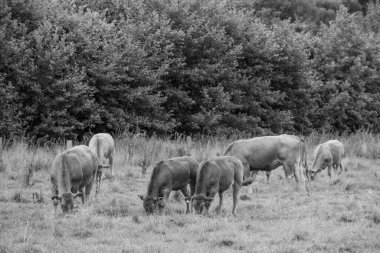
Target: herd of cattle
{"type": "Point", "coordinates": [74, 171]}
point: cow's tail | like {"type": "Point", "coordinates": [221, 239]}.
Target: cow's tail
{"type": "Point", "coordinates": [303, 163]}
{"type": "Point", "coordinates": [65, 174]}
{"type": "Point", "coordinates": [303, 155]}
{"type": "Point", "coordinates": [228, 149]}
{"type": "Point", "coordinates": [98, 150]}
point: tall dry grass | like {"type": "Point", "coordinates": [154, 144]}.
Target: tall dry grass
{"type": "Point", "coordinates": [136, 154]}
{"type": "Point", "coordinates": [361, 144]}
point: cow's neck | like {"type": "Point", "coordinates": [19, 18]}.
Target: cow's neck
{"type": "Point", "coordinates": [157, 184]}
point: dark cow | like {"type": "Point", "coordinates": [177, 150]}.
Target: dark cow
{"type": "Point", "coordinates": [215, 176]}
{"type": "Point", "coordinates": [103, 145]}
{"type": "Point", "coordinates": [267, 153]}
{"type": "Point", "coordinates": [72, 173]}
{"type": "Point", "coordinates": [170, 175]}
{"type": "Point", "coordinates": [328, 154]}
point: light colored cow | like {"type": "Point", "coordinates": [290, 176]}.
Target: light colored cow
{"type": "Point", "coordinates": [267, 153]}
{"type": "Point", "coordinates": [72, 174]}
{"type": "Point", "coordinates": [103, 145]}
{"type": "Point", "coordinates": [170, 175]}
{"type": "Point", "coordinates": [328, 154]}
{"type": "Point", "coordinates": [216, 176]}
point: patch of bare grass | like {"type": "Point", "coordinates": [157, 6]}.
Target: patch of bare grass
{"type": "Point", "coordinates": [82, 233]}
{"type": "Point", "coordinates": [226, 243]}
{"type": "Point", "coordinates": [19, 198]}
{"type": "Point", "coordinates": [58, 233]}
{"type": "Point", "coordinates": [348, 217]}
{"type": "Point", "coordinates": [374, 217]}
{"type": "Point", "coordinates": [300, 236]}
{"type": "Point", "coordinates": [3, 166]}
{"type": "Point", "coordinates": [114, 207]}
{"type": "Point", "coordinates": [136, 219]}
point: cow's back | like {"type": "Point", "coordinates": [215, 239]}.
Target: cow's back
{"type": "Point", "coordinates": [83, 160]}
{"type": "Point", "coordinates": [231, 170]}
{"type": "Point", "coordinates": [260, 152]}
{"type": "Point", "coordinates": [181, 169]}
{"type": "Point", "coordinates": [208, 176]}
{"type": "Point", "coordinates": [336, 149]}
{"type": "Point", "coordinates": [80, 165]}
{"type": "Point", "coordinates": [189, 163]}
{"type": "Point", "coordinates": [174, 172]}
{"type": "Point", "coordinates": [105, 141]}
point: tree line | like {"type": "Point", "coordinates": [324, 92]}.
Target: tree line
{"type": "Point", "coordinates": [72, 68]}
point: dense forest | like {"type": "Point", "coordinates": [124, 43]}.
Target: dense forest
{"type": "Point", "coordinates": [69, 68]}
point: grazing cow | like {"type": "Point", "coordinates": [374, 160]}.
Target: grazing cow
{"type": "Point", "coordinates": [170, 175]}
{"type": "Point", "coordinates": [267, 153]}
{"type": "Point", "coordinates": [72, 173]}
{"type": "Point", "coordinates": [103, 145]}
{"type": "Point", "coordinates": [328, 154]}
{"type": "Point", "coordinates": [217, 175]}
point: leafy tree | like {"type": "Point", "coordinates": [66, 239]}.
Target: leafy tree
{"type": "Point", "coordinates": [347, 62]}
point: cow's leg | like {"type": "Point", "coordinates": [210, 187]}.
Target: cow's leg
{"type": "Point", "coordinates": [329, 170]}
{"type": "Point", "coordinates": [268, 176]}
{"type": "Point", "coordinates": [298, 175]}
{"type": "Point", "coordinates": [54, 191]}
{"type": "Point", "coordinates": [185, 192]}
{"type": "Point", "coordinates": [219, 208]}
{"type": "Point", "coordinates": [82, 197]}
{"type": "Point", "coordinates": [249, 176]}
{"type": "Point", "coordinates": [192, 190]}
{"type": "Point", "coordinates": [110, 160]}
{"type": "Point", "coordinates": [211, 195]}
{"type": "Point", "coordinates": [235, 194]}
{"type": "Point", "coordinates": [341, 168]}
{"type": "Point", "coordinates": [165, 199]}
{"type": "Point", "coordinates": [87, 191]}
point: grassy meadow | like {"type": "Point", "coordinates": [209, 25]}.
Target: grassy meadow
{"type": "Point", "coordinates": [341, 214]}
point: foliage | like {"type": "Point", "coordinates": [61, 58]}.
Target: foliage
{"type": "Point", "coordinates": [226, 68]}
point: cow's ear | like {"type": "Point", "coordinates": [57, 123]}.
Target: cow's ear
{"type": "Point", "coordinates": [79, 194]}
{"type": "Point", "coordinates": [141, 197]}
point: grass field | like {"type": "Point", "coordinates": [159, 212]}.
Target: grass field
{"type": "Point", "coordinates": [341, 215]}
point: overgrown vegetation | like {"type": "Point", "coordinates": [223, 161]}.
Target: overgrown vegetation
{"type": "Point", "coordinates": [72, 68]}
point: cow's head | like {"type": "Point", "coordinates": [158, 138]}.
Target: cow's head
{"type": "Point", "coordinates": [200, 203]}
{"type": "Point", "coordinates": [151, 204]}
{"type": "Point", "coordinates": [66, 200]}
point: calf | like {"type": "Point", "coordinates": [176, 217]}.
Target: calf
{"type": "Point", "coordinates": [328, 154]}
{"type": "Point", "coordinates": [170, 175]}
{"type": "Point", "coordinates": [215, 176]}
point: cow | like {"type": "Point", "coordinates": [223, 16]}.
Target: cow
{"type": "Point", "coordinates": [267, 153]}
{"type": "Point", "coordinates": [216, 176]}
{"type": "Point", "coordinates": [328, 154]}
{"type": "Point", "coordinates": [170, 175]}
{"type": "Point", "coordinates": [72, 174]}
{"type": "Point", "coordinates": [104, 146]}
